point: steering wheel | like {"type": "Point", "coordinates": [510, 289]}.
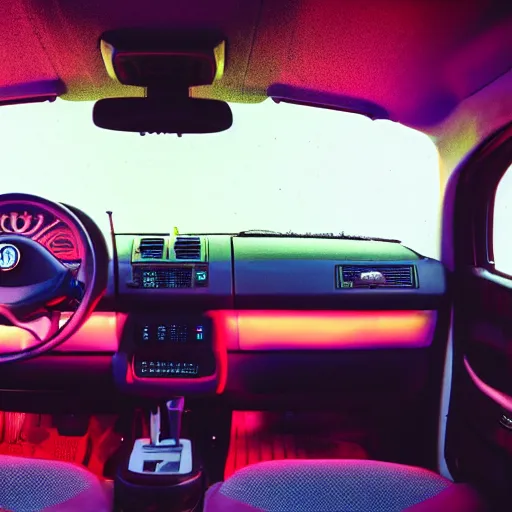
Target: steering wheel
{"type": "Point", "coordinates": [33, 281]}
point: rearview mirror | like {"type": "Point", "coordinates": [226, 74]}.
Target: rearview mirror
{"type": "Point", "coordinates": [161, 115]}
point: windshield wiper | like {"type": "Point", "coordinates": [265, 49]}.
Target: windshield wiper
{"type": "Point", "coordinates": [291, 234]}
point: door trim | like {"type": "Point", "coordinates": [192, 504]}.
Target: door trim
{"type": "Point", "coordinates": [498, 397]}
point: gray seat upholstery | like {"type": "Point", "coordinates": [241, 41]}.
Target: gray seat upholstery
{"type": "Point", "coordinates": [37, 485]}
{"type": "Point", "coordinates": [339, 486]}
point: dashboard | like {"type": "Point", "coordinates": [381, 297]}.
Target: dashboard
{"type": "Point", "coordinates": [226, 313]}
{"type": "Point", "coordinates": [229, 314]}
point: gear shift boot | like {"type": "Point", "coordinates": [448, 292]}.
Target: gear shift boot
{"type": "Point", "coordinates": [164, 459]}
{"type": "Point", "coordinates": [162, 473]}
{"type": "Point", "coordinates": [164, 452]}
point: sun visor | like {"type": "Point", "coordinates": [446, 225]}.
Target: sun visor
{"type": "Point", "coordinates": [32, 92]}
{"type": "Point", "coordinates": [307, 97]}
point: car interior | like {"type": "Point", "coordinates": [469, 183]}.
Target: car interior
{"type": "Point", "coordinates": [258, 369]}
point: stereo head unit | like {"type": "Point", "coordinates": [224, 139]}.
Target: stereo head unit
{"type": "Point", "coordinates": [174, 332]}
{"type": "Point", "coordinates": [168, 276]}
{"type": "Point", "coordinates": [178, 347]}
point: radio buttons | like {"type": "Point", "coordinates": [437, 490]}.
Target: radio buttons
{"type": "Point", "coordinates": [167, 369]}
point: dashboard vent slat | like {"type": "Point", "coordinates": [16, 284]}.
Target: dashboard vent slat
{"type": "Point", "coordinates": [187, 248]}
{"type": "Point", "coordinates": [151, 248]}
{"type": "Point", "coordinates": [387, 276]}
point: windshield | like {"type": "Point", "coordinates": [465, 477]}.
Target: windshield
{"type": "Point", "coordinates": [280, 167]}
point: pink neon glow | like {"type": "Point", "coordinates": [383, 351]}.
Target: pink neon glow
{"type": "Point", "coordinates": [334, 330]}
{"type": "Point", "coordinates": [13, 339]}
{"type": "Point", "coordinates": [500, 398]}
{"type": "Point", "coordinates": [265, 330]}
{"type": "Point", "coordinates": [223, 328]}
{"type": "Point", "coordinates": [98, 334]}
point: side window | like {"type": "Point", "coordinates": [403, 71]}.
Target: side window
{"type": "Point", "coordinates": [502, 232]}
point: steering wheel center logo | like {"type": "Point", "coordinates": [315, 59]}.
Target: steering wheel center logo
{"type": "Point", "coordinates": [9, 257]}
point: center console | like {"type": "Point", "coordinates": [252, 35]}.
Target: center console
{"type": "Point", "coordinates": [173, 348]}
{"type": "Point", "coordinates": [163, 355]}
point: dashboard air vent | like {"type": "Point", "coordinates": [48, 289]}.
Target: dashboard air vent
{"type": "Point", "coordinates": [187, 247]}
{"type": "Point", "coordinates": [376, 276]}
{"type": "Point", "coordinates": [151, 248]}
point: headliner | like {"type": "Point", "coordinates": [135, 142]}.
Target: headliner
{"type": "Point", "coordinates": [414, 60]}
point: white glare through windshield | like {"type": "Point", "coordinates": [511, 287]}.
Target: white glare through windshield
{"type": "Point", "coordinates": [280, 167]}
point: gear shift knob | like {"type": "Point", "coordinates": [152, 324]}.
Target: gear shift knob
{"type": "Point", "coordinates": [174, 409]}
{"type": "Point", "coordinates": [154, 426]}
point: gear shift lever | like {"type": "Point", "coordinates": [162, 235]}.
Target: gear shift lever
{"type": "Point", "coordinates": [174, 409]}
{"type": "Point", "coordinates": [164, 452]}
{"type": "Point", "coordinates": [170, 436]}
{"type": "Point", "coordinates": [154, 426]}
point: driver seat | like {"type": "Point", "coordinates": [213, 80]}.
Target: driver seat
{"type": "Point", "coordinates": [39, 485]}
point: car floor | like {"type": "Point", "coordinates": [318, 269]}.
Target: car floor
{"type": "Point", "coordinates": [36, 435]}
{"type": "Point", "coordinates": [263, 436]}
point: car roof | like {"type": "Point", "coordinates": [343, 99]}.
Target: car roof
{"type": "Point", "coordinates": [412, 61]}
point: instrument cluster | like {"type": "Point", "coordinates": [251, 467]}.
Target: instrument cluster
{"type": "Point", "coordinates": [43, 227]}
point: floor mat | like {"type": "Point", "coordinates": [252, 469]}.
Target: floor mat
{"type": "Point", "coordinates": [30, 435]}
{"type": "Point", "coordinates": [34, 435]}
{"type": "Point", "coordinates": [262, 436]}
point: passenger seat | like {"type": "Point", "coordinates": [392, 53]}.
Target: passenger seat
{"type": "Point", "coordinates": [339, 486]}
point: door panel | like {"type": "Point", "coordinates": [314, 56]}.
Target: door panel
{"type": "Point", "coordinates": [498, 397]}
{"type": "Point", "coordinates": [484, 315]}
{"type": "Point", "coordinates": [478, 444]}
